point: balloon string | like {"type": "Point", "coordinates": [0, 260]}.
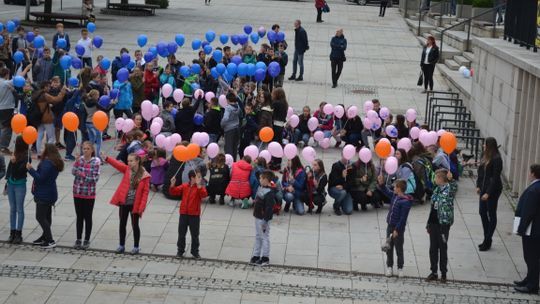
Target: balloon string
{"type": "Point", "coordinates": [179, 169]}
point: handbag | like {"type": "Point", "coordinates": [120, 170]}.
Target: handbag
{"type": "Point", "coordinates": [326, 8]}
{"type": "Point", "coordinates": [420, 79]}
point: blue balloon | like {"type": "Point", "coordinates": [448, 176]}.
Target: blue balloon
{"type": "Point", "coordinates": [251, 69]}
{"type": "Point", "coordinates": [131, 65]}
{"type": "Point", "coordinates": [204, 43]}
{"type": "Point", "coordinates": [198, 119]}
{"type": "Point", "coordinates": [113, 93]}
{"type": "Point", "coordinates": [280, 36]}
{"type": "Point", "coordinates": [73, 82]}
{"type": "Point", "coordinates": [172, 47]}
{"type": "Point", "coordinates": [210, 36]}
{"type": "Point", "coordinates": [173, 112]}
{"type": "Point", "coordinates": [40, 53]}
{"type": "Point", "coordinates": [122, 75]}
{"type": "Point", "coordinates": [214, 72]}
{"type": "Point", "coordinates": [164, 53]}
{"type": "Point", "coordinates": [105, 63]}
{"type": "Point", "coordinates": [17, 22]}
{"type": "Point", "coordinates": [125, 59]}
{"type": "Point", "coordinates": [76, 63]}
{"type": "Point", "coordinates": [242, 69]}
{"type": "Point", "coordinates": [262, 32]}
{"type": "Point", "coordinates": [234, 39]}
{"type": "Point", "coordinates": [142, 40]}
{"type": "Point", "coordinates": [65, 62]}
{"type": "Point", "coordinates": [195, 68]}
{"type": "Point", "coordinates": [248, 29]}
{"type": "Point", "coordinates": [98, 41]}
{"type": "Point", "coordinates": [227, 76]}
{"type": "Point", "coordinates": [195, 86]}
{"type": "Point", "coordinates": [254, 38]}
{"type": "Point", "coordinates": [1, 40]}
{"type": "Point", "coordinates": [221, 68]}
{"type": "Point", "coordinates": [148, 56]}
{"type": "Point", "coordinates": [260, 66]}
{"type": "Point", "coordinates": [18, 57]}
{"type": "Point", "coordinates": [259, 75]}
{"type": "Point", "coordinates": [18, 81]}
{"type": "Point", "coordinates": [185, 71]}
{"type": "Point", "coordinates": [161, 48]}
{"type": "Point", "coordinates": [232, 69]}
{"type": "Point", "coordinates": [243, 39]}
{"type": "Point", "coordinates": [104, 101]}
{"type": "Point", "coordinates": [236, 59]}
{"type": "Point", "coordinates": [61, 43]}
{"type": "Point", "coordinates": [180, 39]}
{"type": "Point", "coordinates": [271, 36]}
{"type": "Point", "coordinates": [196, 44]}
{"type": "Point", "coordinates": [79, 49]}
{"type": "Point", "coordinates": [217, 55]}
{"type": "Point", "coordinates": [10, 26]}
{"type": "Point", "coordinates": [223, 38]}
{"type": "Point", "coordinates": [153, 50]}
{"type": "Point", "coordinates": [39, 42]}
{"type": "Point", "coordinates": [30, 37]}
{"type": "Point", "coordinates": [91, 27]}
{"type": "Point", "coordinates": [274, 69]}
{"type": "Point", "coordinates": [207, 49]}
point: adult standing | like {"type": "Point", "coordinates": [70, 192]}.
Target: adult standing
{"type": "Point", "coordinates": [430, 57]}
{"type": "Point", "coordinates": [45, 191]}
{"type": "Point", "coordinates": [489, 187]}
{"type": "Point", "coordinates": [382, 8]}
{"type": "Point", "coordinates": [7, 104]}
{"type": "Point", "coordinates": [528, 211]}
{"type": "Point", "coordinates": [45, 102]}
{"type": "Point", "coordinates": [319, 4]}
{"type": "Point", "coordinates": [301, 45]}
{"type": "Point", "coordinates": [279, 116]}
{"type": "Point", "coordinates": [337, 55]}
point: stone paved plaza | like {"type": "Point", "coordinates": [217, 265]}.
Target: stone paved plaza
{"type": "Point", "coordinates": [316, 259]}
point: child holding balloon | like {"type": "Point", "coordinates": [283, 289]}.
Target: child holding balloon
{"type": "Point", "coordinates": [92, 104]}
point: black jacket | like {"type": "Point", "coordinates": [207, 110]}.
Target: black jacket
{"type": "Point", "coordinates": [218, 180]}
{"type": "Point", "coordinates": [280, 110]}
{"type": "Point", "coordinates": [528, 208]}
{"type": "Point", "coordinates": [338, 45]}
{"type": "Point", "coordinates": [489, 177]}
{"type": "Point", "coordinates": [433, 55]}
{"type": "Point", "coordinates": [212, 121]}
{"type": "Point", "coordinates": [301, 44]}
{"type": "Point", "coordinates": [264, 203]}
{"type": "Point", "coordinates": [336, 175]}
{"type": "Point", "coordinates": [17, 170]}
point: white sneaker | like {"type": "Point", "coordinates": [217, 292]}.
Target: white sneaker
{"type": "Point", "coordinates": [400, 273]}
{"type": "Point", "coordinates": [389, 272]}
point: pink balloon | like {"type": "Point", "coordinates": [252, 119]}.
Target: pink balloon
{"type": "Point", "coordinates": [433, 137]}
{"type": "Point", "coordinates": [155, 111]}
{"type": "Point", "coordinates": [178, 95]}
{"type": "Point", "coordinates": [313, 123]}
{"type": "Point", "coordinates": [146, 106]}
{"type": "Point", "coordinates": [212, 150]}
{"type": "Point", "coordinates": [368, 106]}
{"type": "Point", "coordinates": [198, 94]}
{"type": "Point", "coordinates": [266, 155]}
{"type": "Point", "coordinates": [318, 136]}
{"type": "Point", "coordinates": [372, 115]}
{"type": "Point", "coordinates": [425, 138]}
{"type": "Point", "coordinates": [294, 120]}
{"type": "Point", "coordinates": [275, 149]}
{"type": "Point", "coordinates": [385, 140]}
{"type": "Point", "coordinates": [169, 144]}
{"type": "Point", "coordinates": [176, 138]}
{"type": "Point", "coordinates": [348, 152]}
{"type": "Point", "coordinates": [158, 120]}
{"type": "Point", "coordinates": [328, 109]}
{"type": "Point", "coordinates": [222, 101]}
{"type": "Point", "coordinates": [411, 115]}
{"type": "Point", "coordinates": [391, 131]}
{"type": "Point", "coordinates": [365, 155]}
{"type": "Point", "coordinates": [441, 132]}
{"type": "Point", "coordinates": [229, 160]}
{"type": "Point", "coordinates": [204, 139]}
{"type": "Point", "coordinates": [118, 123]}
{"type": "Point", "coordinates": [367, 123]}
{"type": "Point", "coordinates": [195, 137]}
{"type": "Point", "coordinates": [376, 124]}
{"type": "Point", "coordinates": [325, 143]}
{"type": "Point", "coordinates": [309, 154]}
{"type": "Point", "coordinates": [384, 112]}
{"type": "Point", "coordinates": [392, 151]}
{"type": "Point", "coordinates": [155, 128]}
{"type": "Point", "coordinates": [290, 112]}
{"type": "Point", "coordinates": [339, 111]}
{"type": "Point", "coordinates": [352, 111]}
{"type": "Point", "coordinates": [251, 151]}
{"type": "Point", "coordinates": [290, 151]}
{"type": "Point", "coordinates": [391, 165]}
{"type": "Point", "coordinates": [414, 132]}
{"type": "Point", "coordinates": [209, 95]}
{"type": "Point", "coordinates": [160, 140]}
{"type": "Point", "coordinates": [166, 90]}
{"type": "Point", "coordinates": [128, 125]}
{"type": "Point", "coordinates": [405, 144]}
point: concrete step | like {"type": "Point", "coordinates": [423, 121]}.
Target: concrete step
{"type": "Point", "coordinates": [469, 56]}
{"type": "Point", "coordinates": [457, 39]}
{"type": "Point", "coordinates": [451, 64]}
{"type": "Point", "coordinates": [434, 20]}
{"type": "Point", "coordinates": [457, 82]}
{"type": "Point", "coordinates": [435, 33]}
{"type": "Point", "coordinates": [448, 51]}
{"type": "Point", "coordinates": [424, 27]}
{"type": "Point", "coordinates": [462, 61]}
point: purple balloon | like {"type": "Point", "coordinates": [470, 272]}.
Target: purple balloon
{"type": "Point", "coordinates": [172, 47]}
{"type": "Point", "coordinates": [248, 29]}
{"type": "Point", "coordinates": [236, 59]}
{"type": "Point", "coordinates": [259, 75]}
{"type": "Point", "coordinates": [272, 36]}
{"type": "Point", "coordinates": [235, 39]}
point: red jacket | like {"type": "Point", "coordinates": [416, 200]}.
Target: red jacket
{"type": "Point", "coordinates": [239, 187]}
{"type": "Point", "coordinates": [319, 3]}
{"type": "Point", "coordinates": [151, 84]}
{"type": "Point", "coordinates": [141, 194]}
{"type": "Point", "coordinates": [191, 198]}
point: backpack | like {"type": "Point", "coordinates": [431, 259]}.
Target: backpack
{"type": "Point", "coordinates": [34, 114]}
{"type": "Point", "coordinates": [419, 189]}
{"type": "Point", "coordinates": [429, 174]}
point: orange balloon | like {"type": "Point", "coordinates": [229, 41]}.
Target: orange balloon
{"type": "Point", "coordinates": [100, 120]}
{"type": "Point", "coordinates": [29, 135]}
{"type": "Point", "coordinates": [383, 149]}
{"type": "Point", "coordinates": [180, 153]}
{"type": "Point", "coordinates": [193, 151]}
{"type": "Point", "coordinates": [18, 123]}
{"type": "Point", "coordinates": [266, 134]}
{"type": "Point", "coordinates": [70, 121]}
{"type": "Point", "coordinates": [448, 142]}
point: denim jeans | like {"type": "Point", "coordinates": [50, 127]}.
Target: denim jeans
{"type": "Point", "coordinates": [298, 59]}
{"type": "Point", "coordinates": [299, 136]}
{"type": "Point", "coordinates": [342, 199]}
{"type": "Point", "coordinates": [262, 238]}
{"type": "Point", "coordinates": [94, 136]}
{"type": "Point", "coordinates": [353, 139]}
{"type": "Point", "coordinates": [42, 129]}
{"type": "Point", "coordinates": [298, 205]}
{"type": "Point", "coordinates": [16, 194]}
{"type": "Point", "coordinates": [214, 138]}
{"type": "Point", "coordinates": [327, 133]}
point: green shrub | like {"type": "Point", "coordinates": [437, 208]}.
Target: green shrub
{"type": "Point", "coordinates": [161, 3]}
{"type": "Point", "coordinates": [482, 3]}
{"type": "Point", "coordinates": [466, 2]}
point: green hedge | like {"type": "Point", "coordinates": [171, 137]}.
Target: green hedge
{"type": "Point", "coordinates": [482, 3]}
{"type": "Point", "coordinates": [466, 2]}
{"type": "Point", "coordinates": [161, 3]}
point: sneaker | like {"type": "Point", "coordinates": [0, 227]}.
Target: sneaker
{"type": "Point", "coordinates": [5, 151]}
{"type": "Point", "coordinates": [85, 245]}
{"type": "Point", "coordinates": [60, 146]}
{"type": "Point", "coordinates": [431, 277]}
{"type": "Point", "coordinates": [69, 158]}
{"type": "Point", "coordinates": [196, 256]}
{"type": "Point", "coordinates": [211, 200]}
{"type": "Point", "coordinates": [38, 241]}
{"type": "Point", "coordinates": [77, 245]}
{"type": "Point", "coordinates": [120, 249]}
{"type": "Point", "coordinates": [48, 245]}
{"type": "Point", "coordinates": [245, 204]}
{"type": "Point", "coordinates": [292, 77]}
{"type": "Point", "coordinates": [389, 272]}
{"type": "Point", "coordinates": [337, 211]}
{"type": "Point", "coordinates": [135, 250]}
{"type": "Point", "coordinates": [299, 78]}
{"type": "Point", "coordinates": [443, 278]}
{"type": "Point", "coordinates": [221, 200]}
{"type": "Point", "coordinates": [231, 203]}
{"type": "Point", "coordinates": [400, 273]}
{"type": "Point", "coordinates": [254, 260]}
{"type": "Point", "coordinates": [179, 254]}
{"type": "Point", "coordinates": [264, 261]}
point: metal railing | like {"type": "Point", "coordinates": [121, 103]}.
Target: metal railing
{"type": "Point", "coordinates": [423, 11]}
{"type": "Point", "coordinates": [433, 94]}
{"type": "Point", "coordinates": [469, 23]}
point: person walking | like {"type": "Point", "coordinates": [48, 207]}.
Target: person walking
{"type": "Point", "coordinates": [529, 229]}
{"type": "Point", "coordinates": [489, 187]}
{"type": "Point", "coordinates": [382, 8]}
{"type": "Point", "coordinates": [430, 57]}
{"type": "Point", "coordinates": [301, 45]}
{"type": "Point", "coordinates": [337, 55]}
{"type": "Point", "coordinates": [319, 4]}
{"type": "Point", "coordinates": [16, 189]}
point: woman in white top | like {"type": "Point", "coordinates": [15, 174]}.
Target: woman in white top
{"type": "Point", "coordinates": [430, 57]}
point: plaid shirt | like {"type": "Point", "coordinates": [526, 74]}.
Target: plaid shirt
{"type": "Point", "coordinates": [86, 176]}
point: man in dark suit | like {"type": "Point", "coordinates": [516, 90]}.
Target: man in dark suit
{"type": "Point", "coordinates": [301, 45]}
{"type": "Point", "coordinates": [528, 209]}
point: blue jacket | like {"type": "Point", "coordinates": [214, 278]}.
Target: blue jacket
{"type": "Point", "coordinates": [338, 45]}
{"type": "Point", "coordinates": [399, 210]}
{"type": "Point", "coordinates": [44, 185]}
{"type": "Point", "coordinates": [125, 95]}
{"type": "Point", "coordinates": [299, 183]}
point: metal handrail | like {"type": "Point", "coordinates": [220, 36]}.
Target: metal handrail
{"type": "Point", "coordinates": [422, 14]}
{"type": "Point", "coordinates": [469, 21]}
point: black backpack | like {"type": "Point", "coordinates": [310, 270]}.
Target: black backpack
{"type": "Point", "coordinates": [419, 189]}
{"type": "Point", "coordinates": [34, 114]}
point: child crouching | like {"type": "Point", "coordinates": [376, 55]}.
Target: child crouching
{"type": "Point", "coordinates": [263, 211]}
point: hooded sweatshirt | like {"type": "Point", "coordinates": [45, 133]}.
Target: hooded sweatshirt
{"type": "Point", "coordinates": [231, 118]}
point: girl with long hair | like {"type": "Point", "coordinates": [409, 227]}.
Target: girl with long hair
{"type": "Point", "coordinates": [16, 189]}
{"type": "Point", "coordinates": [294, 185]}
{"type": "Point", "coordinates": [279, 116]}
{"type": "Point", "coordinates": [317, 180]}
